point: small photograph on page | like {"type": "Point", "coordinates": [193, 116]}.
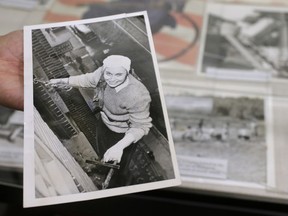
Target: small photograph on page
{"type": "Point", "coordinates": [222, 138]}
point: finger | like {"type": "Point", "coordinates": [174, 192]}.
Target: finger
{"type": "Point", "coordinates": [107, 157]}
{"type": "Point", "coordinates": [106, 154]}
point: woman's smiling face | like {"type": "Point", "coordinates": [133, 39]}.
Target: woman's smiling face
{"type": "Point", "coordinates": [115, 76]}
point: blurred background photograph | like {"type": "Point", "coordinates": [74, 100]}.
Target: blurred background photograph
{"type": "Point", "coordinates": [244, 42]}
{"type": "Point", "coordinates": [11, 147]}
{"type": "Point", "coordinates": [220, 138]}
{"type": "Point", "coordinates": [77, 123]}
{"type": "Point", "coordinates": [175, 25]}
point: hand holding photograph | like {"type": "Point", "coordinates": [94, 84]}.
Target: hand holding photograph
{"type": "Point", "coordinates": [95, 119]}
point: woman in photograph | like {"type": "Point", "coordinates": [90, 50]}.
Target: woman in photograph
{"type": "Point", "coordinates": [124, 114]}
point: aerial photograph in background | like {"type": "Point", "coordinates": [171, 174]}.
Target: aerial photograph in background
{"type": "Point", "coordinates": [244, 42]}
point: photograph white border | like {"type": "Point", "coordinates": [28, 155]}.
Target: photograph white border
{"type": "Point", "coordinates": [29, 199]}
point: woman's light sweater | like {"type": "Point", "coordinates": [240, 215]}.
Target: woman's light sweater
{"type": "Point", "coordinates": [126, 108]}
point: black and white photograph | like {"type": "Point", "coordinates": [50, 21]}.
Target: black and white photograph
{"type": "Point", "coordinates": [96, 122]}
{"type": "Point", "coordinates": [244, 42]}
{"type": "Point", "coordinates": [221, 138]}
{"type": "Point", "coordinates": [11, 147]}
